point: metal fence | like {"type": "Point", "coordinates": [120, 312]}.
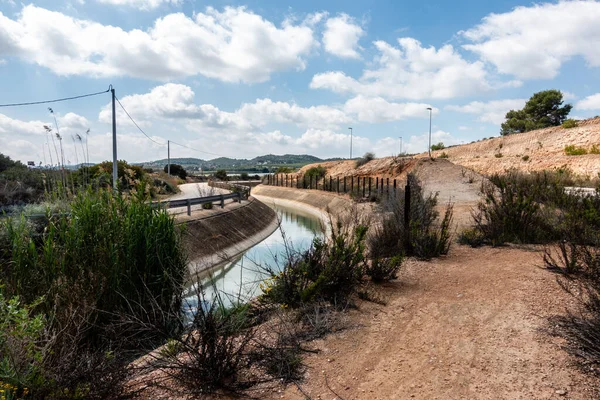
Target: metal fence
{"type": "Point", "coordinates": [365, 186]}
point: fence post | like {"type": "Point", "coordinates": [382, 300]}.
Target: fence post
{"type": "Point", "coordinates": [222, 201]}
{"type": "Point", "coordinates": [330, 184]}
{"type": "Point", "coordinates": [407, 216]}
{"type": "Point", "coordinates": [388, 184]}
{"type": "Point", "coordinates": [189, 207]}
{"type": "Point", "coordinates": [286, 180]}
{"type": "Point", "coordinates": [377, 184]}
{"type": "Point", "coordinates": [369, 187]}
{"type": "Point", "coordinates": [352, 184]}
{"type": "Point", "coordinates": [338, 185]}
{"type": "Point", "coordinates": [345, 185]}
{"type": "Point", "coordinates": [364, 182]}
{"type": "Point", "coordinates": [394, 187]}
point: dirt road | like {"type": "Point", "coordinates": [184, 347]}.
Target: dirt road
{"type": "Point", "coordinates": [468, 326]}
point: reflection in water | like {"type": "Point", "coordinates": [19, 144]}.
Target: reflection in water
{"type": "Point", "coordinates": [239, 279]}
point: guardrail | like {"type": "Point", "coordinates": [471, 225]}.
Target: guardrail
{"type": "Point", "coordinates": [234, 187]}
{"type": "Point", "coordinates": [199, 200]}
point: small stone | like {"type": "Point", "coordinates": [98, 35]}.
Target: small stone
{"type": "Point", "coordinates": [560, 392]}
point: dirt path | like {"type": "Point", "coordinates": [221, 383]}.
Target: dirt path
{"type": "Point", "coordinates": [469, 326]}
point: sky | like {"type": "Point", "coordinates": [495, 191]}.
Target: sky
{"type": "Point", "coordinates": [242, 79]}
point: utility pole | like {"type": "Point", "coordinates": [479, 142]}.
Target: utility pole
{"type": "Point", "coordinates": [168, 157]}
{"type": "Point", "coordinates": [429, 148]}
{"type": "Point", "coordinates": [114, 132]}
{"type": "Point", "coordinates": [400, 145]}
{"type": "Point", "coordinates": [350, 143]}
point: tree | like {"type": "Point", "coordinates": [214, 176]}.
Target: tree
{"type": "Point", "coordinates": [439, 146]}
{"type": "Point", "coordinates": [221, 175]}
{"type": "Point", "coordinates": [177, 169]}
{"type": "Point", "coordinates": [542, 110]}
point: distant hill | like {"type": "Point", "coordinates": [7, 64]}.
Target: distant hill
{"type": "Point", "coordinates": [266, 163]}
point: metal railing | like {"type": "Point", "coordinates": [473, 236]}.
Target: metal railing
{"type": "Point", "coordinates": [200, 200]}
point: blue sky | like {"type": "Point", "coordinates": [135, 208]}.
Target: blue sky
{"type": "Point", "coordinates": [242, 79]}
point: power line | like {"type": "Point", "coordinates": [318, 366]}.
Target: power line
{"type": "Point", "coordinates": [201, 151]}
{"type": "Point", "coordinates": [136, 125]}
{"type": "Point", "coordinates": [162, 144]}
{"type": "Point", "coordinates": [56, 100]}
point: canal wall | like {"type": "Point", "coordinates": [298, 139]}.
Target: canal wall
{"type": "Point", "coordinates": [217, 238]}
{"type": "Point", "coordinates": [323, 205]}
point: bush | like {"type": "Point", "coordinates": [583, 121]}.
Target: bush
{"type": "Point", "coordinates": [176, 170]}
{"type": "Point", "coordinates": [443, 155]}
{"type": "Point", "coordinates": [438, 146]}
{"type": "Point", "coordinates": [317, 172]}
{"type": "Point", "coordinates": [498, 155]}
{"type": "Point", "coordinates": [98, 268]}
{"type": "Point", "coordinates": [472, 237]}
{"type": "Point", "coordinates": [570, 123]}
{"type": "Point", "coordinates": [525, 158]}
{"type": "Point", "coordinates": [427, 238]}
{"type": "Point", "coordinates": [367, 157]}
{"type": "Point", "coordinates": [381, 270]}
{"type": "Point", "coordinates": [595, 149]}
{"type": "Point", "coordinates": [535, 208]}
{"type": "Point", "coordinates": [572, 150]}
{"type": "Point", "coordinates": [329, 271]}
{"type": "Point", "coordinates": [221, 175]}
{"type": "Point", "coordinates": [207, 206]}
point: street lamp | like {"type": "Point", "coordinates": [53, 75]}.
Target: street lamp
{"type": "Point", "coordinates": [429, 148]}
{"type": "Point", "coordinates": [400, 144]}
{"type": "Point", "coordinates": [350, 143]}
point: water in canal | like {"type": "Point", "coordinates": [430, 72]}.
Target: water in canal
{"type": "Point", "coordinates": [239, 279]}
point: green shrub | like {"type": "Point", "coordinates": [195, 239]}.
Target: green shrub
{"type": "Point", "coordinates": [498, 155]}
{"type": "Point", "coordinates": [284, 170]}
{"type": "Point", "coordinates": [570, 123]}
{"type": "Point", "coordinates": [472, 237]}
{"type": "Point", "coordinates": [438, 146]}
{"type": "Point", "coordinates": [207, 206]}
{"type": "Point", "coordinates": [572, 150]}
{"type": "Point", "coordinates": [329, 271]}
{"type": "Point", "coordinates": [176, 170]}
{"type": "Point", "coordinates": [427, 237]}
{"type": "Point", "coordinates": [317, 172]}
{"type": "Point", "coordinates": [595, 149]}
{"type": "Point", "coordinates": [525, 158]}
{"type": "Point", "coordinates": [367, 157]}
{"type": "Point", "coordinates": [107, 263]}
{"type": "Point", "coordinates": [381, 270]}
{"type": "Point", "coordinates": [443, 155]}
{"type": "Point", "coordinates": [221, 175]}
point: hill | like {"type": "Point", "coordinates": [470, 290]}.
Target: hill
{"type": "Point", "coordinates": [264, 163]}
{"type": "Point", "coordinates": [539, 150]}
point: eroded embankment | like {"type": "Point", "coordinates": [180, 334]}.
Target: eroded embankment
{"type": "Point", "coordinates": [212, 240]}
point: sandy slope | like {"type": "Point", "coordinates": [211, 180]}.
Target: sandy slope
{"type": "Point", "coordinates": [544, 147]}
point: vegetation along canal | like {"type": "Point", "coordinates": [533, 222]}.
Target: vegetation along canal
{"type": "Point", "coordinates": [238, 280]}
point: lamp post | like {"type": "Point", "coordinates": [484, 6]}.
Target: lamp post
{"type": "Point", "coordinates": [400, 145]}
{"type": "Point", "coordinates": [429, 148]}
{"type": "Point", "coordinates": [350, 143]}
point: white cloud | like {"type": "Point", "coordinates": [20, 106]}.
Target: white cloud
{"type": "Point", "coordinates": [589, 103]}
{"type": "Point", "coordinates": [233, 45]}
{"type": "Point", "coordinates": [176, 101]}
{"type": "Point", "coordinates": [12, 126]}
{"type": "Point", "coordinates": [418, 144]}
{"type": "Point", "coordinates": [533, 42]}
{"type": "Point", "coordinates": [141, 4]}
{"type": "Point", "coordinates": [493, 111]}
{"type": "Point", "coordinates": [341, 36]}
{"type": "Point", "coordinates": [377, 109]}
{"type": "Point", "coordinates": [464, 128]}
{"type": "Point", "coordinates": [413, 72]}
{"type": "Point", "coordinates": [74, 122]}
{"type": "Point", "coordinates": [569, 95]}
